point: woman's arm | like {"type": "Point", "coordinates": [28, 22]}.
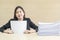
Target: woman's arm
{"type": "Point", "coordinates": [4, 27]}
{"type": "Point", "coordinates": [32, 25]}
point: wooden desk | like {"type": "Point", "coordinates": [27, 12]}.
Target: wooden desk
{"type": "Point", "coordinates": [32, 36]}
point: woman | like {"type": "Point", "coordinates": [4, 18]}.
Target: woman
{"type": "Point", "coordinates": [19, 14]}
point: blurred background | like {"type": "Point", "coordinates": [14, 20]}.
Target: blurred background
{"type": "Point", "coordinates": [36, 10]}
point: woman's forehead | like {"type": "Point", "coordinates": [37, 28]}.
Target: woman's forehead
{"type": "Point", "coordinates": [19, 9]}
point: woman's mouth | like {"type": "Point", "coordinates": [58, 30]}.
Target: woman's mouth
{"type": "Point", "coordinates": [18, 15]}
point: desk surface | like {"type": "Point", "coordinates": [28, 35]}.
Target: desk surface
{"type": "Point", "coordinates": [33, 36]}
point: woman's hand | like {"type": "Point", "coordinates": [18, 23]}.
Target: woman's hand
{"type": "Point", "coordinates": [29, 31]}
{"type": "Point", "coordinates": [8, 31]}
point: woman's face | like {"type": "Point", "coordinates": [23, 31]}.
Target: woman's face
{"type": "Point", "coordinates": [19, 13]}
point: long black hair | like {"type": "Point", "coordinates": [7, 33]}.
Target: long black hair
{"type": "Point", "coordinates": [16, 10]}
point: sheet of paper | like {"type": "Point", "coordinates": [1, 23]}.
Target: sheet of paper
{"type": "Point", "coordinates": [18, 27]}
{"type": "Point", "coordinates": [49, 29]}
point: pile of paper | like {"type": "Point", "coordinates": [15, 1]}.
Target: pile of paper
{"type": "Point", "coordinates": [18, 27]}
{"type": "Point", "coordinates": [49, 29]}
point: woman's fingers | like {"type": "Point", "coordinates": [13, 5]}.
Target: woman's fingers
{"type": "Point", "coordinates": [8, 31]}
{"type": "Point", "coordinates": [29, 31]}
{"type": "Point", "coordinates": [32, 31]}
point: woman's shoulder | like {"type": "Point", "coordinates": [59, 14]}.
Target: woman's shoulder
{"type": "Point", "coordinates": [27, 18]}
{"type": "Point", "coordinates": [11, 19]}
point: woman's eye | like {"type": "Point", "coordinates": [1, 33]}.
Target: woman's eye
{"type": "Point", "coordinates": [16, 12]}
{"type": "Point", "coordinates": [20, 11]}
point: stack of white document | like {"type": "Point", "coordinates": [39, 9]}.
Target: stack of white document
{"type": "Point", "coordinates": [18, 27]}
{"type": "Point", "coordinates": [49, 29]}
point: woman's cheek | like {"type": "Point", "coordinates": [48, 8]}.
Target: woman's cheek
{"type": "Point", "coordinates": [17, 15]}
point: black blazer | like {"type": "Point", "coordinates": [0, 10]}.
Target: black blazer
{"type": "Point", "coordinates": [30, 24]}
